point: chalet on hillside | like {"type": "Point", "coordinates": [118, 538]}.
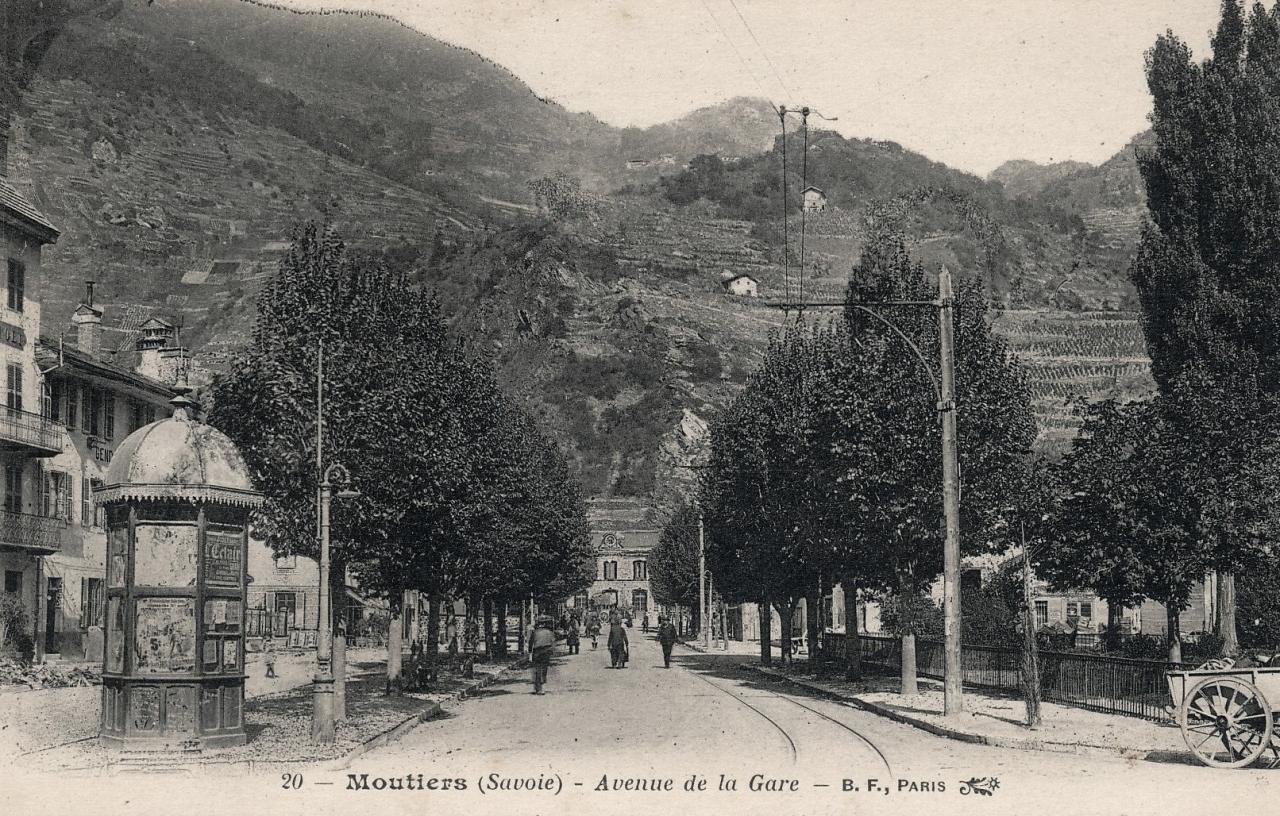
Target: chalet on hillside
{"type": "Point", "coordinates": [814, 199]}
{"type": "Point", "coordinates": [739, 284]}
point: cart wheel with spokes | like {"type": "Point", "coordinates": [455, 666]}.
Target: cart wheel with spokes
{"type": "Point", "coordinates": [1226, 722]}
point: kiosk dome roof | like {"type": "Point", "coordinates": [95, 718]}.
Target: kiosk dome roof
{"type": "Point", "coordinates": [179, 458]}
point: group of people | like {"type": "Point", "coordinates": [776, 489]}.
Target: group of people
{"type": "Point", "coordinates": [542, 641]}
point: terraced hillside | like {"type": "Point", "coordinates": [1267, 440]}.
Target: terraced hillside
{"type": "Point", "coordinates": [176, 195]}
{"type": "Point", "coordinates": [171, 211]}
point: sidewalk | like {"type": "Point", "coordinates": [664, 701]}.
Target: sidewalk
{"type": "Point", "coordinates": [56, 729]}
{"type": "Point", "coordinates": [998, 720]}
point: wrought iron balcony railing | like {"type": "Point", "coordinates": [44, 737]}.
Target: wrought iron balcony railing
{"type": "Point", "coordinates": [38, 434]}
{"type": "Point", "coordinates": [37, 534]}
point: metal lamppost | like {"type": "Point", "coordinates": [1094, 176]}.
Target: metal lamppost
{"type": "Point", "coordinates": [944, 390]}
{"type": "Point", "coordinates": [322, 719]}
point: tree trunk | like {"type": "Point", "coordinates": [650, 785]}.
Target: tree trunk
{"type": "Point", "coordinates": [813, 623]}
{"type": "Point", "coordinates": [395, 643]}
{"type": "Point", "coordinates": [339, 676]}
{"type": "Point", "coordinates": [502, 628]}
{"type": "Point", "coordinates": [1114, 615]}
{"type": "Point", "coordinates": [338, 605]}
{"type": "Point", "coordinates": [1225, 614]}
{"type": "Point", "coordinates": [908, 668]}
{"type": "Point", "coordinates": [432, 649]}
{"type": "Point", "coordinates": [784, 631]}
{"type": "Point", "coordinates": [524, 626]}
{"type": "Point", "coordinates": [852, 643]}
{"type": "Point", "coordinates": [907, 625]}
{"type": "Point", "coordinates": [414, 615]}
{"type": "Point", "coordinates": [1030, 654]}
{"type": "Point", "coordinates": [765, 610]}
{"type": "Point", "coordinates": [1174, 635]}
{"type": "Point", "coordinates": [488, 629]}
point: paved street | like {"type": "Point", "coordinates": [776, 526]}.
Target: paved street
{"type": "Point", "coordinates": [709, 717]}
{"type": "Point", "coordinates": [704, 716]}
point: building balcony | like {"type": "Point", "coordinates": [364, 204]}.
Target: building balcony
{"type": "Point", "coordinates": [37, 535]}
{"type": "Point", "coordinates": [34, 434]}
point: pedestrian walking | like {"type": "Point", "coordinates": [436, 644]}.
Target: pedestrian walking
{"type": "Point", "coordinates": [571, 637]}
{"type": "Point", "coordinates": [541, 643]}
{"type": "Point", "coordinates": [269, 655]}
{"type": "Point", "coordinates": [666, 637]}
{"type": "Point", "coordinates": [644, 624]}
{"type": "Point", "coordinates": [593, 629]}
{"type": "Point", "coordinates": [618, 647]}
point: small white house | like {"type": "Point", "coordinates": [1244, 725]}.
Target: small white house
{"type": "Point", "coordinates": [739, 284]}
{"type": "Point", "coordinates": [814, 199]}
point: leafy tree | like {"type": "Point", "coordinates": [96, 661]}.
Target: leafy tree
{"type": "Point", "coordinates": [1207, 271]}
{"type": "Point", "coordinates": [1124, 528]}
{"type": "Point", "coordinates": [886, 436]}
{"type": "Point", "coordinates": [673, 562]}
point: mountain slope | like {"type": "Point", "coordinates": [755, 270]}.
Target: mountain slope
{"type": "Point", "coordinates": [175, 148]}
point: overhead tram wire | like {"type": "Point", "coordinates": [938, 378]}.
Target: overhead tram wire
{"type": "Point", "coordinates": [786, 238]}
{"type": "Point", "coordinates": [804, 209]}
{"type": "Point", "coordinates": [725, 34]}
{"type": "Point", "coordinates": [763, 53]}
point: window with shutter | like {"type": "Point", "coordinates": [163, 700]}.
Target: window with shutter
{"type": "Point", "coordinates": [13, 392]}
{"type": "Point", "coordinates": [17, 284]}
{"type": "Point", "coordinates": [86, 503]}
{"type": "Point", "coordinates": [73, 404]}
{"type": "Point", "coordinates": [84, 603]}
{"type": "Point", "coordinates": [63, 495]}
{"type": "Point", "coordinates": [109, 415]}
{"type": "Point", "coordinates": [43, 500]}
{"type": "Point", "coordinates": [13, 488]}
{"type": "Point", "coordinates": [99, 512]}
{"type": "Point", "coordinates": [92, 410]}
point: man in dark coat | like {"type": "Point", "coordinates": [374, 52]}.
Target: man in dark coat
{"type": "Point", "coordinates": [541, 643]}
{"type": "Point", "coordinates": [667, 637]}
{"type": "Point", "coordinates": [618, 649]}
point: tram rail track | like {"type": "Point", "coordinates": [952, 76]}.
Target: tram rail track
{"type": "Point", "coordinates": [786, 734]}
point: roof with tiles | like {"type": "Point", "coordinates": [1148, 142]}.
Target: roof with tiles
{"type": "Point", "coordinates": [23, 214]}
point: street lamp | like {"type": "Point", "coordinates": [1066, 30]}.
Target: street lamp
{"type": "Point", "coordinates": [322, 727]}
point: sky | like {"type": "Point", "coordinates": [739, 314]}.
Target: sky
{"type": "Point", "coordinates": [972, 83]}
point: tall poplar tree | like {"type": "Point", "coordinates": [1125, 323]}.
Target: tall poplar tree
{"type": "Point", "coordinates": [1208, 270]}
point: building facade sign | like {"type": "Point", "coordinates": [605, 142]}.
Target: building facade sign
{"type": "Point", "coordinates": [12, 335]}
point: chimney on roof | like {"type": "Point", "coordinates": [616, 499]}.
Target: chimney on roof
{"type": "Point", "coordinates": [157, 358]}
{"type": "Point", "coordinates": [87, 320]}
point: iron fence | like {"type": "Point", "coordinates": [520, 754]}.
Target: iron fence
{"type": "Point", "coordinates": [1113, 685]}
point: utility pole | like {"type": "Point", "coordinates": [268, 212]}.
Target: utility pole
{"type": "Point", "coordinates": [702, 586]}
{"type": "Point", "coordinates": [953, 703]}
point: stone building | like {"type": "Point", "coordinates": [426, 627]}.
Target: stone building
{"type": "Point", "coordinates": [98, 403]}
{"type": "Point", "coordinates": [623, 531]}
{"type": "Point", "coordinates": [27, 437]}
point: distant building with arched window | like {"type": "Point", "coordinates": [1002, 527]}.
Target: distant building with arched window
{"type": "Point", "coordinates": [623, 531]}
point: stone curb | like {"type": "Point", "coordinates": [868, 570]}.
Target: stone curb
{"type": "Point", "coordinates": [413, 720]}
{"type": "Point", "coordinates": [1141, 754]}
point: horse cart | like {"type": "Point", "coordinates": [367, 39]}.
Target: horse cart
{"type": "Point", "coordinates": [1226, 713]}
